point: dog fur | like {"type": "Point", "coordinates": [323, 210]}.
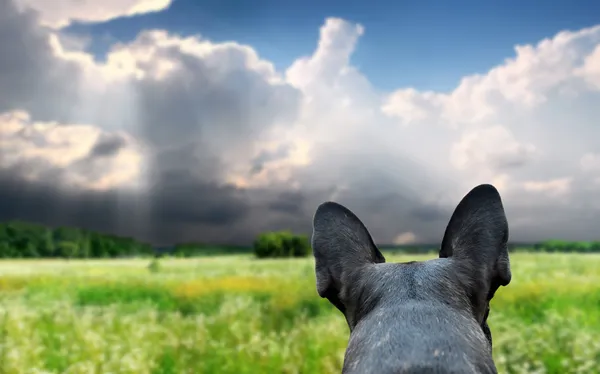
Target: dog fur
{"type": "Point", "coordinates": [416, 317]}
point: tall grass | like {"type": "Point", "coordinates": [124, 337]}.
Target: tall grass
{"type": "Point", "coordinates": [239, 315]}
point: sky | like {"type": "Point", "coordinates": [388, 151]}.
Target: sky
{"type": "Point", "coordinates": [213, 121]}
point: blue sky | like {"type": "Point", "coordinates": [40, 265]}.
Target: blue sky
{"type": "Point", "coordinates": [426, 44]}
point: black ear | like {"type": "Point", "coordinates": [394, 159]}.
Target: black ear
{"type": "Point", "coordinates": [476, 239]}
{"type": "Point", "coordinates": [341, 245]}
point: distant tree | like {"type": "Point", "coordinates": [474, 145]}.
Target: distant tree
{"type": "Point", "coordinates": [84, 245]}
{"type": "Point", "coordinates": [280, 244]}
{"type": "Point", "coordinates": [300, 246]}
{"type": "Point", "coordinates": [268, 244]}
{"type": "Point", "coordinates": [5, 249]}
{"type": "Point", "coordinates": [47, 246]}
{"type": "Point", "coordinates": [67, 250]}
{"type": "Point", "coordinates": [186, 249]}
{"type": "Point", "coordinates": [29, 250]}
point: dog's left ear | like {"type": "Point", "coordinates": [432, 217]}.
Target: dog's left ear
{"type": "Point", "coordinates": [341, 245]}
{"type": "Point", "coordinates": [476, 239]}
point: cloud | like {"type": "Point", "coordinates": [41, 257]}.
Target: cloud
{"type": "Point", "coordinates": [525, 124]}
{"type": "Point", "coordinates": [61, 13]}
{"type": "Point", "coordinates": [177, 138]}
{"type": "Point", "coordinates": [217, 101]}
{"type": "Point", "coordinates": [405, 238]}
{"type": "Point", "coordinates": [527, 81]}
{"type": "Point", "coordinates": [590, 162]}
{"type": "Point", "coordinates": [80, 156]}
{"type": "Point", "coordinates": [554, 187]}
{"type": "Point", "coordinates": [31, 76]}
{"type": "Point", "coordinates": [491, 146]}
{"type": "Point", "coordinates": [590, 70]}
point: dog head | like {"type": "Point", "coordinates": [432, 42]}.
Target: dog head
{"type": "Point", "coordinates": [473, 261]}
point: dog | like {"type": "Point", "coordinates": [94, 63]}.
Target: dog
{"type": "Point", "coordinates": [416, 317]}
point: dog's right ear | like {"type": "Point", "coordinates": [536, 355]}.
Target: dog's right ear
{"type": "Point", "coordinates": [476, 239]}
{"type": "Point", "coordinates": [341, 245]}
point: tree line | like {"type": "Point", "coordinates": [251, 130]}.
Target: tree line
{"type": "Point", "coordinates": [28, 240]}
{"type": "Point", "coordinates": [567, 246]}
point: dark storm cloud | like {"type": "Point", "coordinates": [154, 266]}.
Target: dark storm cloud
{"type": "Point", "coordinates": [108, 145]}
{"type": "Point", "coordinates": [513, 160]}
{"type": "Point", "coordinates": [182, 198]}
{"type": "Point", "coordinates": [44, 202]}
{"type": "Point", "coordinates": [224, 106]}
{"type": "Point", "coordinates": [429, 213]}
{"type": "Point", "coordinates": [187, 209]}
{"type": "Point", "coordinates": [92, 166]}
{"type": "Point", "coordinates": [183, 207]}
{"type": "Point", "coordinates": [198, 121]}
{"type": "Point", "coordinates": [289, 203]}
{"type": "Point", "coordinates": [198, 205]}
{"type": "Point", "coordinates": [31, 78]}
{"type": "Point", "coordinates": [387, 215]}
{"type": "Point", "coordinates": [266, 156]}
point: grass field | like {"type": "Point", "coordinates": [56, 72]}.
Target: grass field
{"type": "Point", "coordinates": [240, 315]}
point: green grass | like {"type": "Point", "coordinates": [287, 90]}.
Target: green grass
{"type": "Point", "coordinates": [235, 314]}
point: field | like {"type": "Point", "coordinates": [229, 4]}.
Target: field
{"type": "Point", "coordinates": [241, 315]}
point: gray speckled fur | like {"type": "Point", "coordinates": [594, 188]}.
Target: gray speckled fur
{"type": "Point", "coordinates": [416, 317]}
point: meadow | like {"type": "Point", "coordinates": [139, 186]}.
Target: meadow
{"type": "Point", "coordinates": [236, 314]}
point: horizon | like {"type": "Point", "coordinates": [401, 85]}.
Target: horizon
{"type": "Point", "coordinates": [383, 245]}
{"type": "Point", "coordinates": [175, 121]}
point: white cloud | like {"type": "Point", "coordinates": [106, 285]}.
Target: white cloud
{"type": "Point", "coordinates": [330, 61]}
{"type": "Point", "coordinates": [554, 187]}
{"type": "Point", "coordinates": [81, 156]}
{"type": "Point", "coordinates": [61, 13]}
{"type": "Point", "coordinates": [523, 82]}
{"type": "Point", "coordinates": [590, 162]}
{"type": "Point", "coordinates": [411, 105]}
{"type": "Point", "coordinates": [532, 114]}
{"type": "Point", "coordinates": [590, 166]}
{"type": "Point", "coordinates": [492, 147]}
{"type": "Point", "coordinates": [405, 238]}
{"type": "Point", "coordinates": [218, 113]}
{"type": "Point", "coordinates": [590, 70]}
